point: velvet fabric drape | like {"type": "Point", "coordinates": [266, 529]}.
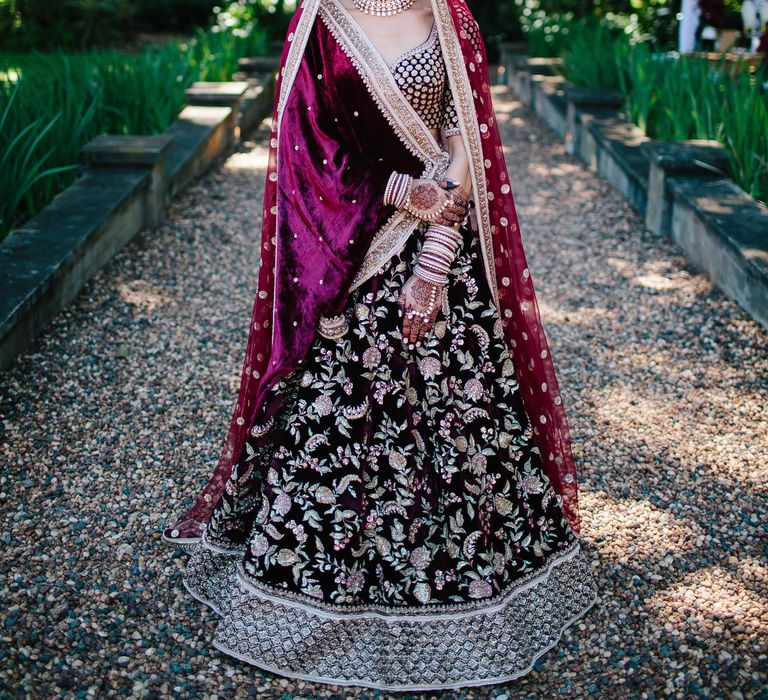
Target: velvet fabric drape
{"type": "Point", "coordinates": [332, 149]}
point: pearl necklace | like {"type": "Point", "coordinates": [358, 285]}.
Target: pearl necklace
{"type": "Point", "coordinates": [382, 8]}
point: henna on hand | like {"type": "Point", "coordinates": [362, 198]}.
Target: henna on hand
{"type": "Point", "coordinates": [416, 297]}
{"type": "Point", "coordinates": [429, 201]}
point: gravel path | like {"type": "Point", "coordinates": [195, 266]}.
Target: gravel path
{"type": "Point", "coordinates": [117, 413]}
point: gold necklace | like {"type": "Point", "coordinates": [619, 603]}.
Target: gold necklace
{"type": "Point", "coordinates": [382, 8]}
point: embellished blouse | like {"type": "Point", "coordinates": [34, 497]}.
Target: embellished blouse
{"type": "Point", "coordinates": [421, 75]}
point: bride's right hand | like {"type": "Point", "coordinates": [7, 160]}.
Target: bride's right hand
{"type": "Point", "coordinates": [433, 202]}
{"type": "Point", "coordinates": [420, 304]}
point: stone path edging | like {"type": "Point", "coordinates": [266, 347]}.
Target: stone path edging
{"type": "Point", "coordinates": [125, 186]}
{"type": "Point", "coordinates": [721, 229]}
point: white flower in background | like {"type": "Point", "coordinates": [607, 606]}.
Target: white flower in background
{"type": "Point", "coordinates": [422, 592]}
{"type": "Point", "coordinates": [287, 557]}
{"type": "Point", "coordinates": [371, 358]}
{"type": "Point", "coordinates": [325, 495]}
{"type": "Point", "coordinates": [474, 389]}
{"type": "Point", "coordinates": [503, 505]}
{"type": "Point", "coordinates": [398, 460]}
{"type": "Point", "coordinates": [499, 562]}
{"type": "Point", "coordinates": [532, 484]}
{"type": "Point", "coordinates": [259, 546]}
{"type": "Point", "coordinates": [477, 463]}
{"type": "Point", "coordinates": [355, 582]}
{"type": "Point", "coordinates": [282, 503]}
{"type": "Point", "coordinates": [430, 367]}
{"type": "Point", "coordinates": [480, 589]}
{"type": "Point", "coordinates": [749, 15]}
{"type": "Point", "coordinates": [420, 558]}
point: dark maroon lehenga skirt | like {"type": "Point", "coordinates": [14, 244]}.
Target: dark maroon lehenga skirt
{"type": "Point", "coordinates": [392, 525]}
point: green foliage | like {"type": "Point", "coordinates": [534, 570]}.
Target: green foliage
{"type": "Point", "coordinates": [675, 98]}
{"type": "Point", "coordinates": [744, 131]}
{"type": "Point", "coordinates": [589, 51]}
{"type": "Point", "coordinates": [670, 97]}
{"type": "Point", "coordinates": [546, 25]}
{"type": "Point", "coordinates": [547, 35]}
{"type": "Point", "coordinates": [25, 158]}
{"type": "Point", "coordinates": [273, 16]}
{"type": "Point", "coordinates": [74, 23]}
{"type": "Point", "coordinates": [637, 80]}
{"type": "Point", "coordinates": [51, 104]}
{"type": "Point", "coordinates": [80, 24]}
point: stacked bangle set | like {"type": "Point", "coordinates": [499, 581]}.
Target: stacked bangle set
{"type": "Point", "coordinates": [440, 242]}
{"type": "Point", "coordinates": [398, 188]}
{"type": "Point", "coordinates": [437, 254]}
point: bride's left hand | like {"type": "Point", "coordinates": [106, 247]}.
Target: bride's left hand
{"type": "Point", "coordinates": [461, 197]}
{"type": "Point", "coordinates": [415, 296]}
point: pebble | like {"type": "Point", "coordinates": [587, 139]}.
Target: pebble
{"type": "Point", "coordinates": [115, 415]}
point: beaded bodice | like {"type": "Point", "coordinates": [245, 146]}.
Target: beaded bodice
{"type": "Point", "coordinates": [420, 73]}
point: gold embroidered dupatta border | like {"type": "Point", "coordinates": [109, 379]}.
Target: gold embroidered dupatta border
{"type": "Point", "coordinates": [409, 127]}
{"type": "Point", "coordinates": [399, 113]}
{"type": "Point", "coordinates": [470, 132]}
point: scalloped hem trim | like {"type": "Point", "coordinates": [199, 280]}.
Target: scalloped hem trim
{"type": "Point", "coordinates": [400, 654]}
{"type": "Point", "coordinates": [185, 543]}
{"type": "Point", "coordinates": [366, 683]}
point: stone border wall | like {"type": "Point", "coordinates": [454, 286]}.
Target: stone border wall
{"type": "Point", "coordinates": [682, 188]}
{"type": "Point", "coordinates": [124, 186]}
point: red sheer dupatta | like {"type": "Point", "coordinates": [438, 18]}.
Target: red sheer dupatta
{"type": "Point", "coordinates": [340, 126]}
{"type": "Point", "coordinates": [508, 274]}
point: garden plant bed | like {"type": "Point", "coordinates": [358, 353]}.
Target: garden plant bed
{"type": "Point", "coordinates": [124, 186]}
{"type": "Point", "coordinates": [682, 187]}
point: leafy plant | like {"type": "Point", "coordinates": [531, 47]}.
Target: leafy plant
{"type": "Point", "coordinates": [54, 103]}
{"type": "Point", "coordinates": [547, 35]}
{"type": "Point", "coordinates": [686, 97]}
{"type": "Point", "coordinates": [669, 97]}
{"type": "Point", "coordinates": [590, 53]}
{"type": "Point", "coordinates": [743, 130]}
{"type": "Point", "coordinates": [24, 161]}
{"type": "Point", "coordinates": [638, 78]}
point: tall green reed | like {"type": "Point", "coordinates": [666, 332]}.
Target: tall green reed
{"type": "Point", "coordinates": [673, 97]}
{"type": "Point", "coordinates": [546, 35]}
{"type": "Point", "coordinates": [51, 104]}
{"type": "Point", "coordinates": [589, 53]}
{"type": "Point", "coordinates": [747, 145]}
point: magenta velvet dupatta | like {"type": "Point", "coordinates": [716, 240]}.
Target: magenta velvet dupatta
{"type": "Point", "coordinates": [340, 126]}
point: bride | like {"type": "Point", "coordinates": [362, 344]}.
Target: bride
{"type": "Point", "coordinates": [396, 502]}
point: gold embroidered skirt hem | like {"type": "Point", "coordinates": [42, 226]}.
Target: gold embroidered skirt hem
{"type": "Point", "coordinates": [408, 649]}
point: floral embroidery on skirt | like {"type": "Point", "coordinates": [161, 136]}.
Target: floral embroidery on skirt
{"type": "Point", "coordinates": [396, 494]}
